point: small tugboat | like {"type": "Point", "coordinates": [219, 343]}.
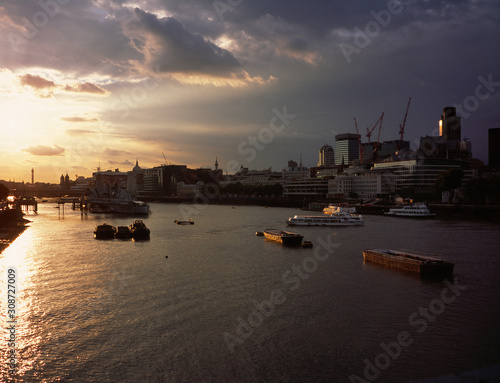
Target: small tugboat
{"type": "Point", "coordinates": [409, 262]}
{"type": "Point", "coordinates": [188, 222]}
{"type": "Point", "coordinates": [286, 238]}
{"type": "Point", "coordinates": [123, 232]}
{"type": "Point", "coordinates": [139, 230]}
{"type": "Point", "coordinates": [104, 231]}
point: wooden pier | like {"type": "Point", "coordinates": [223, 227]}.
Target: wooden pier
{"type": "Point", "coordinates": [28, 205]}
{"type": "Point", "coordinates": [75, 202]}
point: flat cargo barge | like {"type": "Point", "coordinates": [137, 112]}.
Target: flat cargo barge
{"type": "Point", "coordinates": [285, 238]}
{"type": "Point", "coordinates": [401, 260]}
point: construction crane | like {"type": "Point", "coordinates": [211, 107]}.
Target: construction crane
{"type": "Point", "coordinates": [402, 127]}
{"type": "Point", "coordinates": [370, 131]}
{"type": "Point", "coordinates": [375, 149]}
{"type": "Point", "coordinates": [165, 158]}
{"type": "Point", "coordinates": [359, 141]}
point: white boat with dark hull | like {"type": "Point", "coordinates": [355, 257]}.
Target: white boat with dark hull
{"type": "Point", "coordinates": [341, 219]}
{"type": "Point", "coordinates": [416, 210]}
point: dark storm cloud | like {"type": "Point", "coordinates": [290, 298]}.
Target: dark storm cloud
{"type": "Point", "coordinates": [298, 45]}
{"type": "Point", "coordinates": [319, 16]}
{"type": "Point", "coordinates": [74, 37]}
{"type": "Point", "coordinates": [176, 48]}
{"type": "Point", "coordinates": [82, 38]}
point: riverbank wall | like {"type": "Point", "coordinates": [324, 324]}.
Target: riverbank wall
{"type": "Point", "coordinates": [12, 224]}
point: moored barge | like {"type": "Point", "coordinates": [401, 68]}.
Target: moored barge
{"type": "Point", "coordinates": [139, 230]}
{"type": "Point", "coordinates": [401, 260]}
{"type": "Point", "coordinates": [104, 231]}
{"type": "Point", "coordinates": [286, 238]}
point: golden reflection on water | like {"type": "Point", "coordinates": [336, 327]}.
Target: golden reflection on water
{"type": "Point", "coordinates": [20, 256]}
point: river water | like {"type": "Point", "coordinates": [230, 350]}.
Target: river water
{"type": "Point", "coordinates": [212, 302]}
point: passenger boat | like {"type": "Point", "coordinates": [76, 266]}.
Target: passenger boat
{"type": "Point", "coordinates": [123, 232]}
{"type": "Point", "coordinates": [185, 222]}
{"type": "Point", "coordinates": [400, 260]}
{"type": "Point", "coordinates": [336, 209]}
{"type": "Point", "coordinates": [286, 238]}
{"type": "Point", "coordinates": [340, 219]}
{"type": "Point", "coordinates": [416, 210]}
{"type": "Point", "coordinates": [139, 230]}
{"type": "Point", "coordinates": [104, 231]}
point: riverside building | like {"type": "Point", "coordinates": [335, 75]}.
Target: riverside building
{"type": "Point", "coordinates": [346, 148]}
{"type": "Point", "coordinates": [326, 157]}
{"type": "Point", "coordinates": [366, 184]}
{"type": "Point", "coordinates": [420, 175]}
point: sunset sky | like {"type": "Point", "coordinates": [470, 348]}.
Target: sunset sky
{"type": "Point", "coordinates": [251, 82]}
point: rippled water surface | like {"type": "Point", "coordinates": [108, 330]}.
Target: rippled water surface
{"type": "Point", "coordinates": [184, 306]}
